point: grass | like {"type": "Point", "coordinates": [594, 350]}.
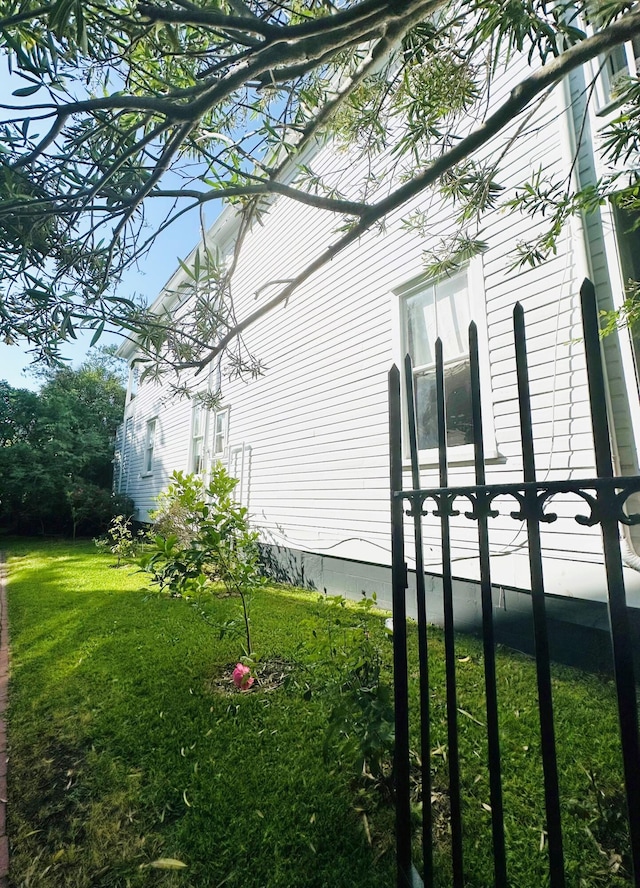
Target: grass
{"type": "Point", "coordinates": [122, 752]}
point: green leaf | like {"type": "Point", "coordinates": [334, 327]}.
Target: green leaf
{"type": "Point", "coordinates": [96, 336]}
{"type": "Point", "coordinates": [188, 271]}
{"type": "Point", "coordinates": [27, 90]}
{"type": "Point", "coordinates": [81, 30]}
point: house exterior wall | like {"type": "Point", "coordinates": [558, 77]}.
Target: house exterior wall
{"type": "Point", "coordinates": [313, 429]}
{"type": "Point", "coordinates": [604, 269]}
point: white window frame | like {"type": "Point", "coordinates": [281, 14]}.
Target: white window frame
{"type": "Point", "coordinates": [614, 265]}
{"type": "Point", "coordinates": [222, 416]}
{"type": "Point", "coordinates": [200, 412]}
{"type": "Point", "coordinates": [605, 78]}
{"type": "Point", "coordinates": [239, 466]}
{"type": "Point", "coordinates": [117, 470]}
{"type": "Point", "coordinates": [462, 453]}
{"type": "Point", "coordinates": [133, 382]}
{"type": "Point", "coordinates": [127, 444]}
{"type": "Point", "coordinates": [150, 445]}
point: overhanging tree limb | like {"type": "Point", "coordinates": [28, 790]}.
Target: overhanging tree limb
{"type": "Point", "coordinates": [520, 97]}
{"type": "Point", "coordinates": [139, 99]}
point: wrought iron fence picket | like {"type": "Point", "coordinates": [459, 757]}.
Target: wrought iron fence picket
{"type": "Point", "coordinates": [445, 513]}
{"type": "Point", "coordinates": [400, 664]}
{"type": "Point", "coordinates": [618, 615]}
{"type": "Point", "coordinates": [543, 669]}
{"type": "Point", "coordinates": [483, 511]}
{"type": "Point", "coordinates": [606, 498]}
{"type": "Point", "coordinates": [423, 653]}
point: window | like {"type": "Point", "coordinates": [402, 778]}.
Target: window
{"type": "Point", "coordinates": [220, 431]}
{"type": "Point", "coordinates": [127, 444]}
{"type": "Point", "coordinates": [431, 310]}
{"type": "Point", "coordinates": [198, 437]}
{"type": "Point", "coordinates": [620, 62]}
{"type": "Point", "coordinates": [134, 379]}
{"type": "Point", "coordinates": [149, 446]}
{"type": "Point", "coordinates": [240, 468]}
{"type": "Point", "coordinates": [627, 229]}
{"type": "Point", "coordinates": [204, 425]}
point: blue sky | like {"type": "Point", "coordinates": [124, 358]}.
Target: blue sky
{"type": "Point", "coordinates": [154, 270]}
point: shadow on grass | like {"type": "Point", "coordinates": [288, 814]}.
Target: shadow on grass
{"type": "Point", "coordinates": [120, 753]}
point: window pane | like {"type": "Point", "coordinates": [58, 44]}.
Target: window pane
{"type": "Point", "coordinates": [134, 378]}
{"type": "Point", "coordinates": [198, 459]}
{"type": "Point", "coordinates": [198, 426]}
{"type": "Point", "coordinates": [617, 62]}
{"type": "Point", "coordinates": [220, 434]}
{"type": "Point", "coordinates": [421, 326]}
{"type": "Point", "coordinates": [628, 239]}
{"type": "Point", "coordinates": [151, 435]}
{"type": "Point", "coordinates": [615, 69]}
{"type": "Point", "coordinates": [452, 316]}
{"type": "Point", "coordinates": [440, 309]}
{"type": "Point", "coordinates": [457, 395]}
{"type": "Point", "coordinates": [197, 421]}
{"type": "Point", "coordinates": [426, 413]}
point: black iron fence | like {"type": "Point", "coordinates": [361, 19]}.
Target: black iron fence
{"type": "Point", "coordinates": [605, 498]}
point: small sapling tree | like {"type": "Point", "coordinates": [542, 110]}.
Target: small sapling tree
{"type": "Point", "coordinates": [210, 543]}
{"type": "Point", "coordinates": [178, 509]}
{"type": "Point", "coordinates": [120, 540]}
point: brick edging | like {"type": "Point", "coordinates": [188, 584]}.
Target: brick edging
{"type": "Point", "coordinates": [4, 692]}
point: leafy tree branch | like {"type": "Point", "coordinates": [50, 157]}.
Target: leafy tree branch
{"type": "Point", "coordinates": [187, 103]}
{"type": "Point", "coordinates": [520, 98]}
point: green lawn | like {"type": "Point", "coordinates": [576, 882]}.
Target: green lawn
{"type": "Point", "coordinates": [122, 750]}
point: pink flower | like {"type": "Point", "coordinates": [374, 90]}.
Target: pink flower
{"type": "Point", "coordinates": [242, 677]}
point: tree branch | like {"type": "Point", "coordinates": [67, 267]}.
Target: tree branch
{"type": "Point", "coordinates": [521, 95]}
{"type": "Point", "coordinates": [11, 20]}
{"type": "Point", "coordinates": [334, 205]}
{"type": "Point", "coordinates": [551, 74]}
{"type": "Point", "coordinates": [170, 149]}
{"type": "Point", "coordinates": [208, 17]}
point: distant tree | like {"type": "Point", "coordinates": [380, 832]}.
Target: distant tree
{"type": "Point", "coordinates": [80, 411]}
{"type": "Point", "coordinates": [185, 103]}
{"type": "Point", "coordinates": [20, 471]}
{"type": "Point", "coordinates": [56, 450]}
{"type": "Point", "coordinates": [18, 409]}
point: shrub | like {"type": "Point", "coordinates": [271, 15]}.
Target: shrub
{"type": "Point", "coordinates": [120, 540]}
{"type": "Point", "coordinates": [346, 666]}
{"type": "Point", "coordinates": [210, 542]}
{"type": "Point", "coordinates": [179, 509]}
{"type": "Point", "coordinates": [93, 507]}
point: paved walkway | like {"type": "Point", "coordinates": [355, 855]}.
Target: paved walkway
{"type": "Point", "coordinates": [4, 688]}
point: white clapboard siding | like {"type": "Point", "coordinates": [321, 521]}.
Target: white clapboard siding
{"type": "Point", "coordinates": [315, 424]}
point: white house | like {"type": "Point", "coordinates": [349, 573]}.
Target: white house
{"type": "Point", "coordinates": [309, 438]}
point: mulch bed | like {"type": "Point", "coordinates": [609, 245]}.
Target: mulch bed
{"type": "Point", "coordinates": [269, 676]}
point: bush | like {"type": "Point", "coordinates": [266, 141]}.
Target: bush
{"type": "Point", "coordinates": [179, 509]}
{"type": "Point", "coordinates": [93, 507]}
{"type": "Point", "coordinates": [209, 542]}
{"type": "Point", "coordinates": [120, 540]}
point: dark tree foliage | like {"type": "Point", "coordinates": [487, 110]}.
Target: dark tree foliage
{"type": "Point", "coordinates": [56, 452]}
{"type": "Point", "coordinates": [123, 105]}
